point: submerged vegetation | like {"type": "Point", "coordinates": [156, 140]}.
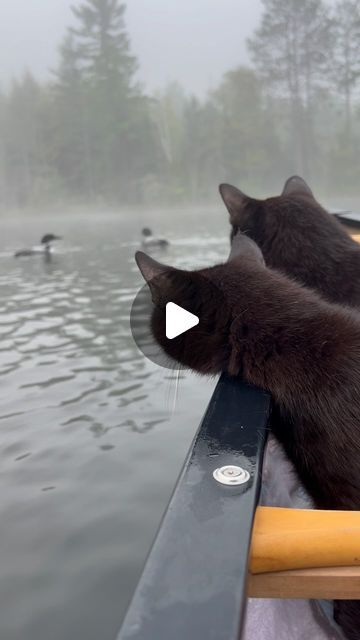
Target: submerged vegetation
{"type": "Point", "coordinates": [91, 134]}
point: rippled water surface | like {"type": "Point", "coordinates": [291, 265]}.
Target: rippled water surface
{"type": "Point", "coordinates": [92, 436]}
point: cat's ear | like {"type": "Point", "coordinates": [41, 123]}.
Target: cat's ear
{"type": "Point", "coordinates": [296, 185]}
{"type": "Point", "coordinates": [244, 247]}
{"type": "Point", "coordinates": [154, 274]}
{"type": "Point", "coordinates": [149, 267]}
{"type": "Point", "coordinates": [234, 200]}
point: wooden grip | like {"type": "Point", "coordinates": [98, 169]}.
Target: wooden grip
{"type": "Point", "coordinates": [285, 539]}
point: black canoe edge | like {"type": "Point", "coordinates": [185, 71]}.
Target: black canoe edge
{"type": "Point", "coordinates": [194, 581]}
{"type": "Point", "coordinates": [348, 218]}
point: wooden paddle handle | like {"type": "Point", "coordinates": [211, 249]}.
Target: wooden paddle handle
{"type": "Point", "coordinates": [285, 539]}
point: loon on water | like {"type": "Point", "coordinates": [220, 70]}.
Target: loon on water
{"type": "Point", "coordinates": [149, 240]}
{"type": "Point", "coordinates": [44, 249]}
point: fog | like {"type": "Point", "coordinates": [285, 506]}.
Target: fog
{"type": "Point", "coordinates": [202, 39]}
{"type": "Point", "coordinates": [111, 103]}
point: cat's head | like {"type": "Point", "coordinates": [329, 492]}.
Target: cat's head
{"type": "Point", "coordinates": [294, 232]}
{"type": "Point", "coordinates": [256, 217]}
{"type": "Point", "coordinates": [211, 294]}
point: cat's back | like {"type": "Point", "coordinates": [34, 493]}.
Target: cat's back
{"type": "Point", "coordinates": [311, 245]}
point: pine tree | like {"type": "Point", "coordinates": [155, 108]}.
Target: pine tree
{"type": "Point", "coordinates": [71, 123]}
{"type": "Point", "coordinates": [103, 44]}
{"type": "Point", "coordinates": [112, 118]}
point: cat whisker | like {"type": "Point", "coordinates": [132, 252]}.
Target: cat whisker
{"type": "Point", "coordinates": [175, 375]}
{"type": "Point", "coordinates": [176, 390]}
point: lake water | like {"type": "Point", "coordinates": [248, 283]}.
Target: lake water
{"type": "Point", "coordinates": [92, 436]}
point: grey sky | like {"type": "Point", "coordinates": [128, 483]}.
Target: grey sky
{"type": "Point", "coordinates": [191, 41]}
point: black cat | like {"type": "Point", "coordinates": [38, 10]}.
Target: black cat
{"type": "Point", "coordinates": [258, 324]}
{"type": "Point", "coordinates": [300, 238]}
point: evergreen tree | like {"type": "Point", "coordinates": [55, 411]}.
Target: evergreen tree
{"type": "Point", "coordinates": [103, 44]}
{"type": "Point", "coordinates": [111, 120]}
{"type": "Point", "coordinates": [71, 124]}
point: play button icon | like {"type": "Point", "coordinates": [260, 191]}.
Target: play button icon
{"type": "Point", "coordinates": [178, 320]}
{"type": "Point", "coordinates": [157, 316]}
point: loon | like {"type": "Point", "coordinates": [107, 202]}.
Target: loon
{"type": "Point", "coordinates": [44, 249]}
{"type": "Point", "coordinates": [149, 240]}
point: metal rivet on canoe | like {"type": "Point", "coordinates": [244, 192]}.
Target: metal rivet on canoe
{"type": "Point", "coordinates": [231, 475]}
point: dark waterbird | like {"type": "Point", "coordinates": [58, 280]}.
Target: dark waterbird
{"type": "Point", "coordinates": [148, 240]}
{"type": "Point", "coordinates": [44, 249]}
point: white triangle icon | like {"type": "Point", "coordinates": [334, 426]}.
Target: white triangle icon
{"type": "Point", "coordinates": [178, 320]}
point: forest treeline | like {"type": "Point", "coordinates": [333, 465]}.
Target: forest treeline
{"type": "Point", "coordinates": [91, 135]}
